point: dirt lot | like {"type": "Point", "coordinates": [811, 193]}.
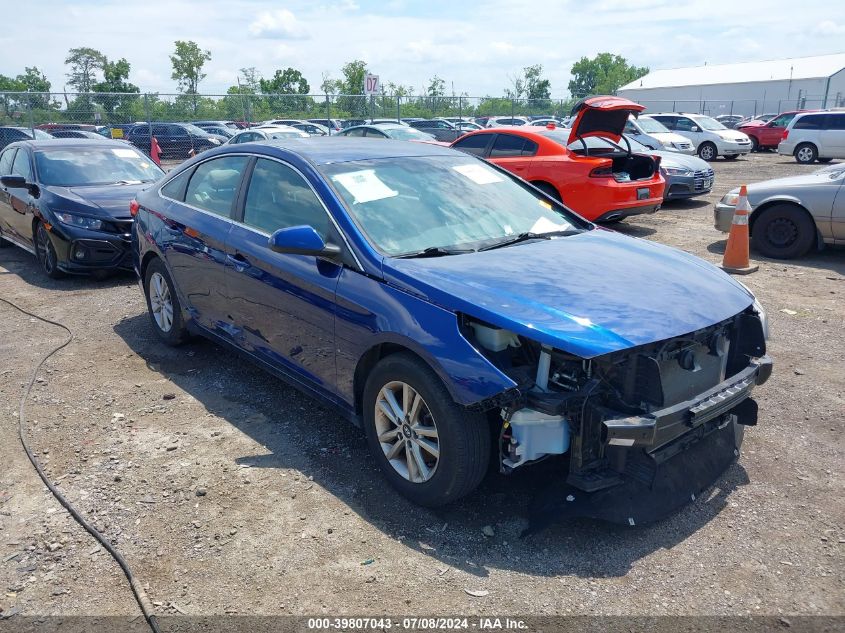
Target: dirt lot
{"type": "Point", "coordinates": [228, 492]}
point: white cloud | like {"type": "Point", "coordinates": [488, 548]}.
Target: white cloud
{"type": "Point", "coordinates": [829, 27]}
{"type": "Point", "coordinates": [279, 24]}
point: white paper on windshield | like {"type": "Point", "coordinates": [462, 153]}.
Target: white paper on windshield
{"type": "Point", "coordinates": [545, 225]}
{"type": "Point", "coordinates": [125, 153]}
{"type": "Point", "coordinates": [479, 174]}
{"type": "Point", "coordinates": [364, 186]}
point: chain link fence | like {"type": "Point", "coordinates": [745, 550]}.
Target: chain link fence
{"type": "Point", "coordinates": [138, 117]}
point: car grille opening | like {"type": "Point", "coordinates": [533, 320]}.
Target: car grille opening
{"type": "Point", "coordinates": [701, 176]}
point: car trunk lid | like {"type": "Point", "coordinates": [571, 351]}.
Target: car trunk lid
{"type": "Point", "coordinates": [602, 116]}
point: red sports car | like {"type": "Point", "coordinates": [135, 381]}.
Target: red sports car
{"type": "Point", "coordinates": [603, 181]}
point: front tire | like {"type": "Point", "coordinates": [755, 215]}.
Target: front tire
{"type": "Point", "coordinates": [429, 448]}
{"type": "Point", "coordinates": [732, 157]}
{"type": "Point", "coordinates": [806, 153]}
{"type": "Point", "coordinates": [824, 160]}
{"type": "Point", "coordinates": [755, 144]}
{"type": "Point", "coordinates": [783, 232]}
{"type": "Point", "coordinates": [163, 304]}
{"type": "Point", "coordinates": [46, 253]}
{"type": "Point", "coordinates": [707, 151]}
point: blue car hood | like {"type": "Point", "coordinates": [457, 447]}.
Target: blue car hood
{"type": "Point", "coordinates": [587, 294]}
{"type": "Point", "coordinates": [107, 200]}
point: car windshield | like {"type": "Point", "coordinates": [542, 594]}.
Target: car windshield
{"type": "Point", "coordinates": [449, 202]}
{"type": "Point", "coordinates": [706, 123]}
{"type": "Point", "coordinates": [40, 134]}
{"type": "Point", "coordinates": [650, 126]}
{"type": "Point", "coordinates": [80, 166]}
{"type": "Point", "coordinates": [407, 134]}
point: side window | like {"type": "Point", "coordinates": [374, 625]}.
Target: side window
{"type": "Point", "coordinates": [809, 122]}
{"type": "Point", "coordinates": [836, 121]}
{"type": "Point", "coordinates": [374, 133]}
{"type": "Point", "coordinates": [176, 130]}
{"type": "Point", "coordinates": [21, 166]}
{"type": "Point", "coordinates": [214, 185]}
{"type": "Point", "coordinates": [474, 144]}
{"type": "Point", "coordinates": [507, 145]}
{"type": "Point", "coordinates": [782, 121]}
{"type": "Point", "coordinates": [175, 189]}
{"type": "Point", "coordinates": [278, 197]}
{"type": "Point", "coordinates": [630, 129]}
{"type": "Point", "coordinates": [684, 124]}
{"type": "Point", "coordinates": [356, 132]}
{"type": "Point", "coordinates": [158, 130]}
{"type": "Point", "coordinates": [6, 162]}
{"type": "Point", "coordinates": [667, 121]}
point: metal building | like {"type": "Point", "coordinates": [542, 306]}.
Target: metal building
{"type": "Point", "coordinates": [747, 88]}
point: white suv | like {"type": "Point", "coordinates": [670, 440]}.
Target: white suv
{"type": "Point", "coordinates": [710, 138]}
{"type": "Point", "coordinates": [814, 136]}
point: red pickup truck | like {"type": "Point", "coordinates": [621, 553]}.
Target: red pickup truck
{"type": "Point", "coordinates": [768, 135]}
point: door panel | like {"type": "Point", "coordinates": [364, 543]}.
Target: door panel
{"type": "Point", "coordinates": [22, 204]}
{"type": "Point", "coordinates": [283, 306]}
{"type": "Point", "coordinates": [195, 241]}
{"type": "Point", "coordinates": [837, 220]}
{"type": "Point", "coordinates": [6, 159]}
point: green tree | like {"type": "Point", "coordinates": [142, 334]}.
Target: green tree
{"type": "Point", "coordinates": [536, 87]}
{"type": "Point", "coordinates": [188, 60]}
{"type": "Point", "coordinates": [34, 81]}
{"type": "Point", "coordinates": [115, 80]}
{"type": "Point", "coordinates": [604, 74]}
{"type": "Point", "coordinates": [250, 80]}
{"type": "Point", "coordinates": [286, 82]}
{"type": "Point", "coordinates": [352, 84]}
{"type": "Point", "coordinates": [84, 63]}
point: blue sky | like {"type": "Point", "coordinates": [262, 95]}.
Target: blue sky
{"type": "Point", "coordinates": [475, 46]}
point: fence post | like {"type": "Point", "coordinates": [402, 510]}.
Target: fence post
{"type": "Point", "coordinates": [732, 107]}
{"type": "Point", "coordinates": [329, 113]}
{"type": "Point", "coordinates": [513, 106]}
{"type": "Point", "coordinates": [31, 119]}
{"type": "Point", "coordinates": [398, 108]}
{"type": "Point", "coordinates": [460, 108]}
{"type": "Point", "coordinates": [149, 121]}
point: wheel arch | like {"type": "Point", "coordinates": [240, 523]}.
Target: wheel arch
{"type": "Point", "coordinates": [541, 182]}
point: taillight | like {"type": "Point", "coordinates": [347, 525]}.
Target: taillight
{"type": "Point", "coordinates": [602, 172]}
{"type": "Point", "coordinates": [785, 135]}
{"type": "Point", "coordinates": [134, 207]}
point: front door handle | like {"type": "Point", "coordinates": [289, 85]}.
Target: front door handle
{"type": "Point", "coordinates": [238, 260]}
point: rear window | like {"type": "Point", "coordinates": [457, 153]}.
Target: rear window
{"type": "Point", "coordinates": [508, 145]}
{"type": "Point", "coordinates": [836, 121]}
{"type": "Point", "coordinates": [474, 144]}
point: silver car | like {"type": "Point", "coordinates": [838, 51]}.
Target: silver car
{"type": "Point", "coordinates": [686, 176]}
{"type": "Point", "coordinates": [791, 215]}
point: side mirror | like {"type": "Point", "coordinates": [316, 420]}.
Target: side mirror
{"type": "Point", "coordinates": [302, 240]}
{"type": "Point", "coordinates": [13, 182]}
{"type": "Point", "coordinates": [695, 128]}
{"type": "Point", "coordinates": [19, 182]}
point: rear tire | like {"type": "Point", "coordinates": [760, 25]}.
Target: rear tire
{"type": "Point", "coordinates": [806, 153]}
{"type": "Point", "coordinates": [783, 231]}
{"type": "Point", "coordinates": [430, 449]}
{"type": "Point", "coordinates": [549, 190]}
{"type": "Point", "coordinates": [163, 304]}
{"type": "Point", "coordinates": [707, 151]}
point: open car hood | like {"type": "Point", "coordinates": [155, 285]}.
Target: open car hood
{"type": "Point", "coordinates": [602, 116]}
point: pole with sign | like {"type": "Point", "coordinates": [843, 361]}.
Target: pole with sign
{"type": "Point", "coordinates": [371, 87]}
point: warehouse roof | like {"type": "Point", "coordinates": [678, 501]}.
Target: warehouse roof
{"type": "Point", "coordinates": [772, 70]}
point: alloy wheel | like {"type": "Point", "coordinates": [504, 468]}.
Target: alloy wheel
{"type": "Point", "coordinates": [45, 251]}
{"type": "Point", "coordinates": [804, 155]}
{"type": "Point", "coordinates": [161, 303]}
{"type": "Point", "coordinates": [707, 153]}
{"type": "Point", "coordinates": [407, 432]}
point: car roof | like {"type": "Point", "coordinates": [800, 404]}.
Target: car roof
{"type": "Point", "coordinates": [72, 142]}
{"type": "Point", "coordinates": [323, 150]}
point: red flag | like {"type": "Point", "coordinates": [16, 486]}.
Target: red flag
{"type": "Point", "coordinates": [155, 151]}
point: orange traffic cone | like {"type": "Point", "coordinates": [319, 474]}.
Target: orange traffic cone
{"type": "Point", "coordinates": [736, 252]}
{"type": "Point", "coordinates": [155, 151]}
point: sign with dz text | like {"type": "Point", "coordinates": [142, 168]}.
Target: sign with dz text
{"type": "Point", "coordinates": [370, 84]}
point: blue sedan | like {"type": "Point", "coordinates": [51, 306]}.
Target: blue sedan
{"type": "Point", "coordinates": [454, 311]}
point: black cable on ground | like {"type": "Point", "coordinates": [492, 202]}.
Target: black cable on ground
{"type": "Point", "coordinates": [140, 595]}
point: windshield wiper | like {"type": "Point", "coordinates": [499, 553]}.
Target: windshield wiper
{"type": "Point", "coordinates": [436, 251]}
{"type": "Point", "coordinates": [528, 235]}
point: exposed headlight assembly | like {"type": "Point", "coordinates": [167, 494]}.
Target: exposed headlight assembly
{"type": "Point", "coordinates": [79, 221]}
{"type": "Point", "coordinates": [678, 171]}
{"type": "Point", "coordinates": [730, 199]}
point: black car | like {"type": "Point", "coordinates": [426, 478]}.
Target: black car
{"type": "Point", "coordinates": [439, 129]}
{"type": "Point", "coordinates": [176, 140]}
{"type": "Point", "coordinates": [11, 134]}
{"type": "Point", "coordinates": [67, 202]}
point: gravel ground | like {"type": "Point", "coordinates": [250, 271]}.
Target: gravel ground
{"type": "Point", "coordinates": [230, 493]}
